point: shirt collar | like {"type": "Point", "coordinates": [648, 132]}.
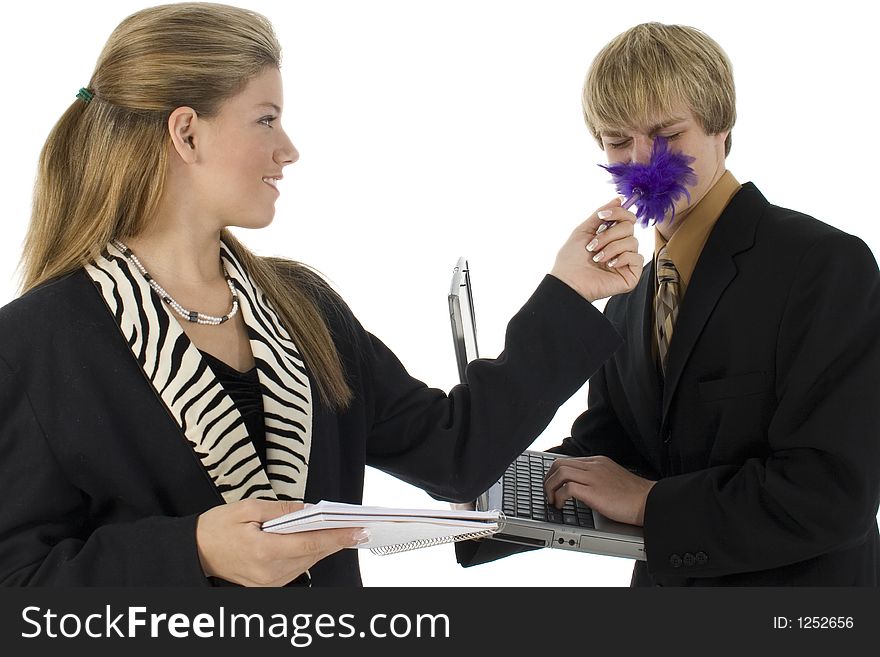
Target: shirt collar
{"type": "Point", "coordinates": [686, 244]}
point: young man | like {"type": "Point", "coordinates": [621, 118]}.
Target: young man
{"type": "Point", "coordinates": [740, 421]}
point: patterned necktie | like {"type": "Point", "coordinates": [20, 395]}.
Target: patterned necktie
{"type": "Point", "coordinates": [665, 304]}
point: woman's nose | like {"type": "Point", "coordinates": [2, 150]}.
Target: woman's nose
{"type": "Point", "coordinates": [286, 153]}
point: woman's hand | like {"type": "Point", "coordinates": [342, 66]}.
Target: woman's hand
{"type": "Point", "coordinates": [233, 547]}
{"type": "Point", "coordinates": [600, 262]}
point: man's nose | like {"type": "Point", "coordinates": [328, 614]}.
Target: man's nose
{"type": "Point", "coordinates": [641, 149]}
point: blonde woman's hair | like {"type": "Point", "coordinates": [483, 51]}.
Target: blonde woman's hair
{"type": "Point", "coordinates": [102, 170]}
{"type": "Point", "coordinates": [650, 69]}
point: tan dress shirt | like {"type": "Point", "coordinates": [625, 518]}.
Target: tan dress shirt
{"type": "Point", "coordinates": [686, 243]}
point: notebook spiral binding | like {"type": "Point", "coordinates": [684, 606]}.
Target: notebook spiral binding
{"type": "Point", "coordinates": [441, 540]}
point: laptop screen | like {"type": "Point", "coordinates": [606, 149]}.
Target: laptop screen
{"type": "Point", "coordinates": [461, 313]}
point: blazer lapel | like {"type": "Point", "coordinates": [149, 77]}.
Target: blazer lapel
{"type": "Point", "coordinates": [733, 233]}
{"type": "Point", "coordinates": [193, 396]}
{"type": "Point", "coordinates": [639, 375]}
{"type": "Point", "coordinates": [287, 391]}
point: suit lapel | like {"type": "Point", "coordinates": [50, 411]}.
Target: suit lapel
{"type": "Point", "coordinates": [196, 400]}
{"type": "Point", "coordinates": [639, 373]}
{"type": "Point", "coordinates": [287, 392]}
{"type": "Point", "coordinates": [733, 233]}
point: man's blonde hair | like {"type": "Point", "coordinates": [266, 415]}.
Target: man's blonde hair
{"type": "Point", "coordinates": [649, 70]}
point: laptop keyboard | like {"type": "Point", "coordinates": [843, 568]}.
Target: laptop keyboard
{"type": "Point", "coordinates": [523, 486]}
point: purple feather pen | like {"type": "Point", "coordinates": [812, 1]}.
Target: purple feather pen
{"type": "Point", "coordinates": [655, 186]}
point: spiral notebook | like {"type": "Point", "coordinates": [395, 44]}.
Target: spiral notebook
{"type": "Point", "coordinates": [391, 530]}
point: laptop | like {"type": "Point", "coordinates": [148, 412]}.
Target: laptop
{"type": "Point", "coordinates": [519, 494]}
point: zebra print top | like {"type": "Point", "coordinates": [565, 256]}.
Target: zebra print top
{"type": "Point", "coordinates": [195, 398]}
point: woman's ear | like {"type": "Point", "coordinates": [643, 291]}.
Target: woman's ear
{"type": "Point", "coordinates": [182, 126]}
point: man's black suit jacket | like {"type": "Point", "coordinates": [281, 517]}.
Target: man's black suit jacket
{"type": "Point", "coordinates": [765, 436]}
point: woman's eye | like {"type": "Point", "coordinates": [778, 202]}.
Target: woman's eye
{"type": "Point", "coordinates": [672, 137]}
{"type": "Point", "coordinates": [267, 121]}
{"type": "Point", "coordinates": [619, 144]}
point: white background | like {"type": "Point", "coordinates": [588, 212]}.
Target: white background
{"type": "Point", "coordinates": [429, 130]}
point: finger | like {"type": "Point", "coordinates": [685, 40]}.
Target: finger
{"type": "Point", "coordinates": [600, 216]}
{"type": "Point", "coordinates": [310, 545]}
{"type": "Point", "coordinates": [628, 259]}
{"type": "Point", "coordinates": [263, 510]}
{"type": "Point", "coordinates": [323, 542]}
{"type": "Point", "coordinates": [618, 231]}
{"type": "Point", "coordinates": [555, 479]}
{"type": "Point", "coordinates": [629, 266]}
{"type": "Point", "coordinates": [615, 214]}
{"type": "Point", "coordinates": [560, 463]}
{"type": "Point", "coordinates": [562, 475]}
{"type": "Point", "coordinates": [616, 202]}
{"type": "Point", "coordinates": [615, 248]}
{"type": "Point", "coordinates": [552, 481]}
{"type": "Point", "coordinates": [576, 490]}
{"type": "Point", "coordinates": [568, 464]}
{"type": "Point", "coordinates": [562, 494]}
{"type": "Point", "coordinates": [317, 545]}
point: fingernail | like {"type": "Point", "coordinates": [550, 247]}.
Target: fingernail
{"type": "Point", "coordinates": [602, 229]}
{"type": "Point", "coordinates": [611, 263]}
{"type": "Point", "coordinates": [604, 214]}
{"type": "Point", "coordinates": [592, 245]}
{"type": "Point", "coordinates": [598, 256]}
{"type": "Point", "coordinates": [361, 536]}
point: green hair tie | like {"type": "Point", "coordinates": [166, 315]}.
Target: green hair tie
{"type": "Point", "coordinates": [85, 95]}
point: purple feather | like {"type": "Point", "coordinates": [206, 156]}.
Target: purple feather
{"type": "Point", "coordinates": [655, 186]}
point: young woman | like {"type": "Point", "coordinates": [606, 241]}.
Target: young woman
{"type": "Point", "coordinates": [163, 390]}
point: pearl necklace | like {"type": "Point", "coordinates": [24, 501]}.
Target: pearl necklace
{"type": "Point", "coordinates": [188, 315]}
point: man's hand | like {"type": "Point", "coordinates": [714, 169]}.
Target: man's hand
{"type": "Point", "coordinates": [601, 484]}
